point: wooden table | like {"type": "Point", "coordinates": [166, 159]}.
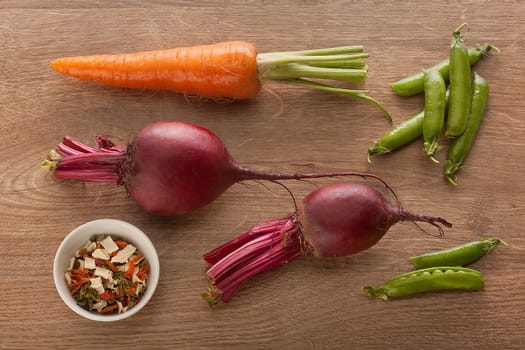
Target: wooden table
{"type": "Point", "coordinates": [310, 303]}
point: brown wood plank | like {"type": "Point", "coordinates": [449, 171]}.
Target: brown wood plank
{"type": "Point", "coordinates": [309, 304]}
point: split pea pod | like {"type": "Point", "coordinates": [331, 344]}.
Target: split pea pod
{"type": "Point", "coordinates": [413, 84]}
{"type": "Point", "coordinates": [461, 145]}
{"type": "Point", "coordinates": [460, 255]}
{"type": "Point", "coordinates": [434, 112]}
{"type": "Point", "coordinates": [427, 280]}
{"type": "Point", "coordinates": [402, 134]}
{"type": "Point", "coordinates": [460, 80]}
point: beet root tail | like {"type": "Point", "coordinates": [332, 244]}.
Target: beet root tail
{"type": "Point", "coordinates": [435, 221]}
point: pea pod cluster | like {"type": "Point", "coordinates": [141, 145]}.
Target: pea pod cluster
{"type": "Point", "coordinates": [439, 271]}
{"type": "Point", "coordinates": [455, 103]}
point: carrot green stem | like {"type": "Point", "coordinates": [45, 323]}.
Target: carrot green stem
{"type": "Point", "coordinates": [354, 63]}
{"type": "Point", "coordinates": [296, 71]}
{"type": "Point", "coordinates": [285, 59]}
{"type": "Point", "coordinates": [360, 94]}
{"type": "Point", "coordinates": [345, 63]}
{"type": "Point", "coordinates": [339, 50]}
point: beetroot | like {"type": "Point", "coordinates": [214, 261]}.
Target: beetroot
{"type": "Point", "coordinates": [332, 221]}
{"type": "Point", "coordinates": [169, 168]}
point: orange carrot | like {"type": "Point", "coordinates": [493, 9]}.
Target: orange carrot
{"type": "Point", "coordinates": [111, 266]}
{"type": "Point", "coordinates": [109, 308]}
{"type": "Point", "coordinates": [230, 70]}
{"type": "Point", "coordinates": [143, 273]}
{"type": "Point", "coordinates": [137, 258]}
{"type": "Point", "coordinates": [131, 269]}
{"type": "Point", "coordinates": [121, 244]}
{"type": "Point", "coordinates": [223, 70]}
{"type": "Point", "coordinates": [78, 284]}
{"type": "Point", "coordinates": [76, 289]}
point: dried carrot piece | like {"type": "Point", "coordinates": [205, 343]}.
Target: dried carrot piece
{"type": "Point", "coordinates": [121, 244]}
{"type": "Point", "coordinates": [78, 284]}
{"type": "Point", "coordinates": [143, 273]}
{"type": "Point", "coordinates": [131, 269]}
{"type": "Point", "coordinates": [111, 266]}
{"type": "Point", "coordinates": [76, 289]}
{"type": "Point", "coordinates": [137, 258]}
{"type": "Point", "coordinates": [109, 308]}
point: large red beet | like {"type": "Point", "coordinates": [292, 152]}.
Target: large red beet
{"type": "Point", "coordinates": [169, 168]}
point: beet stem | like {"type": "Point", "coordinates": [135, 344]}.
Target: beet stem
{"type": "Point", "coordinates": [251, 248]}
{"type": "Point", "coordinates": [264, 247]}
{"type": "Point", "coordinates": [73, 160]}
{"type": "Point", "coordinates": [265, 227]}
{"type": "Point", "coordinates": [251, 174]}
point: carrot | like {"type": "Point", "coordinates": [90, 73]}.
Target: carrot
{"type": "Point", "coordinates": [121, 244]}
{"type": "Point", "coordinates": [207, 70]}
{"type": "Point", "coordinates": [143, 273]}
{"type": "Point", "coordinates": [228, 70]}
{"type": "Point", "coordinates": [137, 258]}
{"type": "Point", "coordinates": [131, 269]}
{"type": "Point", "coordinates": [109, 308]}
{"type": "Point", "coordinates": [111, 266]}
{"type": "Point", "coordinates": [132, 263]}
{"type": "Point", "coordinates": [78, 284]}
{"type": "Point", "coordinates": [76, 289]}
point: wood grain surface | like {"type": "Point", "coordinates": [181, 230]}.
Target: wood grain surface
{"type": "Point", "coordinates": [310, 303]}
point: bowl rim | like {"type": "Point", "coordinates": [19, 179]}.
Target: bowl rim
{"type": "Point", "coordinates": [139, 239]}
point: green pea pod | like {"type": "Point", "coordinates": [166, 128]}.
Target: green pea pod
{"type": "Point", "coordinates": [460, 80]}
{"type": "Point", "coordinates": [414, 84]}
{"type": "Point", "coordinates": [460, 255]}
{"type": "Point", "coordinates": [434, 115]}
{"type": "Point", "coordinates": [401, 135]}
{"type": "Point", "coordinates": [427, 280]}
{"type": "Point", "coordinates": [461, 145]}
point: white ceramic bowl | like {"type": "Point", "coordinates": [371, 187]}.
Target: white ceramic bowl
{"type": "Point", "coordinates": [79, 236]}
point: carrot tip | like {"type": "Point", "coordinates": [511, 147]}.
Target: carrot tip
{"type": "Point", "coordinates": [58, 66]}
{"type": "Point", "coordinates": [54, 64]}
